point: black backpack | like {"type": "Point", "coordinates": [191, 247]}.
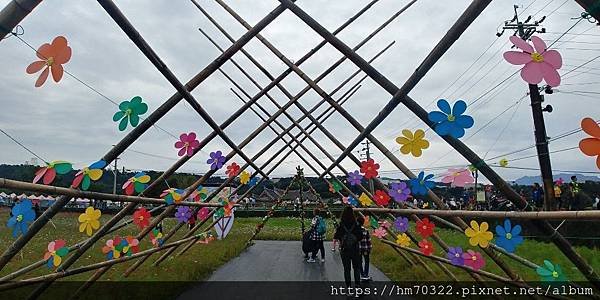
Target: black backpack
{"type": "Point", "coordinates": [349, 241]}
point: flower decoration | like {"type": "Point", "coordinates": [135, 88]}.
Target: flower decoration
{"type": "Point", "coordinates": [354, 178]}
{"type": "Point", "coordinates": [253, 181]}
{"type": "Point", "coordinates": [183, 214]}
{"type": "Point", "coordinates": [244, 177]}
{"type": "Point", "coordinates": [172, 195]}
{"type": "Point", "coordinates": [381, 198]}
{"type": "Point", "coordinates": [425, 227]}
{"type": "Point", "coordinates": [412, 143]}
{"type": "Point", "coordinates": [352, 201]}
{"type": "Point", "coordinates": [401, 224]}
{"type": "Point", "coordinates": [114, 247]}
{"type": "Point", "coordinates": [156, 237]}
{"type": "Point", "coordinates": [399, 191]}
{"type": "Point", "coordinates": [473, 259]}
{"type": "Point", "coordinates": [373, 223]}
{"type": "Point", "coordinates": [458, 177]}
{"type": "Point", "coordinates": [380, 232]}
{"type": "Point", "coordinates": [591, 146]}
{"type": "Point", "coordinates": [455, 255]}
{"type": "Point", "coordinates": [550, 272]}
{"type": "Point", "coordinates": [508, 237]}
{"type": "Point", "coordinates": [478, 234]}
{"type": "Point", "coordinates": [90, 220]}
{"type": "Point", "coordinates": [137, 183]}
{"type": "Point", "coordinates": [503, 162]}
{"type": "Point", "coordinates": [52, 57]}
{"type": "Point", "coordinates": [203, 214]}
{"type": "Point", "coordinates": [87, 174]}
{"type": "Point", "coordinates": [200, 194]}
{"type": "Point", "coordinates": [233, 170]}
{"type": "Point", "coordinates": [369, 168]}
{"type": "Point", "coordinates": [141, 218]}
{"type": "Point", "coordinates": [559, 181]}
{"type": "Point", "coordinates": [187, 144]}
{"type": "Point", "coordinates": [365, 200]}
{"type": "Point", "coordinates": [130, 112]}
{"type": "Point", "coordinates": [335, 186]}
{"type": "Point", "coordinates": [22, 216]}
{"type": "Point", "coordinates": [421, 184]}
{"type": "Point", "coordinates": [132, 246]}
{"type": "Point", "coordinates": [56, 251]}
{"type": "Point", "coordinates": [403, 240]}
{"type": "Point", "coordinates": [216, 160]}
{"type": "Point", "coordinates": [451, 121]}
{"type": "Point", "coordinates": [48, 173]}
{"type": "Point", "coordinates": [539, 64]}
{"type": "Point", "coordinates": [426, 247]}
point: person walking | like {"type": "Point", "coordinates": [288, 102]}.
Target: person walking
{"type": "Point", "coordinates": [537, 194]}
{"type": "Point", "coordinates": [349, 234]}
{"type": "Point", "coordinates": [318, 229]}
{"type": "Point", "coordinates": [364, 247]}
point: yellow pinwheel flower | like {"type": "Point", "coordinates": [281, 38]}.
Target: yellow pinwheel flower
{"type": "Point", "coordinates": [478, 234]}
{"type": "Point", "coordinates": [365, 200]}
{"type": "Point", "coordinates": [403, 240]}
{"type": "Point", "coordinates": [412, 143]}
{"type": "Point", "coordinates": [503, 162]}
{"type": "Point", "coordinates": [89, 220]}
{"type": "Point", "coordinates": [245, 177]}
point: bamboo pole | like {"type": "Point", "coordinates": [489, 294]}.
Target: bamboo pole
{"type": "Point", "coordinates": [527, 215]}
{"type": "Point", "coordinates": [401, 96]}
{"type": "Point", "coordinates": [13, 13]}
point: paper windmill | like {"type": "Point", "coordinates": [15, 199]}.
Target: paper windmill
{"type": "Point", "coordinates": [200, 194]}
{"type": "Point", "coordinates": [132, 246]}
{"type": "Point", "coordinates": [50, 170]}
{"type": "Point", "coordinates": [478, 234]}
{"type": "Point", "coordinates": [539, 64]}
{"type": "Point", "coordinates": [426, 247]}
{"type": "Point", "coordinates": [253, 181]}
{"type": "Point", "coordinates": [373, 223]}
{"type": "Point", "coordinates": [412, 143]}
{"type": "Point", "coordinates": [137, 183]}
{"type": "Point", "coordinates": [425, 228]}
{"type": "Point", "coordinates": [365, 200]}
{"type": "Point", "coordinates": [352, 201]}
{"type": "Point", "coordinates": [244, 177]}
{"type": "Point", "coordinates": [113, 247]}
{"type": "Point", "coordinates": [455, 255]}
{"type": "Point", "coordinates": [90, 220]}
{"type": "Point", "coordinates": [216, 160]}
{"type": "Point", "coordinates": [403, 240]}
{"type": "Point", "coordinates": [156, 237]}
{"type": "Point", "coordinates": [421, 184]}
{"type": "Point", "coordinates": [354, 178]}
{"type": "Point", "coordinates": [56, 251]}
{"type": "Point", "coordinates": [130, 112]}
{"type": "Point", "coordinates": [473, 259]}
{"type": "Point", "coordinates": [233, 170]}
{"type": "Point", "coordinates": [369, 168]}
{"type": "Point", "coordinates": [550, 272]}
{"type": "Point", "coordinates": [381, 198]}
{"type": "Point", "coordinates": [591, 146]}
{"type": "Point", "coordinates": [399, 191]}
{"type": "Point", "coordinates": [458, 177]}
{"type": "Point", "coordinates": [508, 237]}
{"type": "Point", "coordinates": [380, 232]}
{"type": "Point", "coordinates": [503, 162]}
{"type": "Point", "coordinates": [451, 121]}
{"type": "Point", "coordinates": [183, 214]}
{"type": "Point", "coordinates": [203, 214]}
{"type": "Point", "coordinates": [22, 216]}
{"type": "Point", "coordinates": [172, 195]}
{"type": "Point", "coordinates": [335, 186]}
{"type": "Point", "coordinates": [401, 224]}
{"type": "Point", "coordinates": [85, 176]}
{"type": "Point", "coordinates": [141, 218]}
{"type": "Point", "coordinates": [187, 144]}
{"type": "Point", "coordinates": [52, 57]}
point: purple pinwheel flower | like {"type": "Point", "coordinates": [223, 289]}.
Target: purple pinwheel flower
{"type": "Point", "coordinates": [354, 178]}
{"type": "Point", "coordinates": [401, 224]}
{"type": "Point", "coordinates": [455, 255]}
{"type": "Point", "coordinates": [399, 191]}
{"type": "Point", "coordinates": [216, 160]}
{"type": "Point", "coordinates": [183, 214]}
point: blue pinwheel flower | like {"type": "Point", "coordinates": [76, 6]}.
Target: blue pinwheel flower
{"type": "Point", "coordinates": [253, 181]}
{"type": "Point", "coordinates": [508, 237]}
{"type": "Point", "coordinates": [22, 215]}
{"type": "Point", "coordinates": [449, 121]}
{"type": "Point", "coordinates": [352, 201]}
{"type": "Point", "coordinates": [421, 184]}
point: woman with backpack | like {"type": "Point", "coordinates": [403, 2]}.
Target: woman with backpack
{"type": "Point", "coordinates": [318, 229]}
{"type": "Point", "coordinates": [349, 233]}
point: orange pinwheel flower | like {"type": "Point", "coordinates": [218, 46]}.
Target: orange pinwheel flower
{"type": "Point", "coordinates": [52, 56]}
{"type": "Point", "coordinates": [591, 146]}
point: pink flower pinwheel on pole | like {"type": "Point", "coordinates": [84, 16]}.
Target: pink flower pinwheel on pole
{"type": "Point", "coordinates": [458, 177]}
{"type": "Point", "coordinates": [187, 144]}
{"type": "Point", "coordinates": [539, 63]}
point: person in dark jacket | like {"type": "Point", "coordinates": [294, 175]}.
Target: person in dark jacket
{"type": "Point", "coordinates": [349, 233]}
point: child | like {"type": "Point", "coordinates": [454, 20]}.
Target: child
{"type": "Point", "coordinates": [318, 229]}
{"type": "Point", "coordinates": [365, 249]}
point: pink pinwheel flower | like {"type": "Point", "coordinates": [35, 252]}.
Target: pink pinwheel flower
{"type": "Point", "coordinates": [187, 144]}
{"type": "Point", "coordinates": [539, 63]}
{"type": "Point", "coordinates": [473, 259]}
{"type": "Point", "coordinates": [458, 177]}
{"type": "Point", "coordinates": [380, 232]}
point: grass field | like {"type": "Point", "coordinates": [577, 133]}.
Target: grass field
{"type": "Point", "coordinates": [201, 260]}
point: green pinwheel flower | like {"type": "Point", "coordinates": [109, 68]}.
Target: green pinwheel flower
{"type": "Point", "coordinates": [129, 112]}
{"type": "Point", "coordinates": [550, 272]}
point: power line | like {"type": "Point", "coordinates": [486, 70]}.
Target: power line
{"type": "Point", "coordinates": [22, 146]}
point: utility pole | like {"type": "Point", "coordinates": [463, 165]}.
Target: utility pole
{"type": "Point", "coordinates": [525, 30]}
{"type": "Point", "coordinates": [367, 154]}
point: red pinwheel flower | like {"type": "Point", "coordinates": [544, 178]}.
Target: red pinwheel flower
{"type": "Point", "coordinates": [141, 218]}
{"type": "Point", "coordinates": [382, 198]}
{"type": "Point", "coordinates": [52, 57]}
{"type": "Point", "coordinates": [233, 170]}
{"type": "Point", "coordinates": [426, 247]}
{"type": "Point", "coordinates": [425, 228]}
{"type": "Point", "coordinates": [187, 144]}
{"type": "Point", "coordinates": [369, 168]}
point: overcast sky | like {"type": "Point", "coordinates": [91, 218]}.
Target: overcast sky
{"type": "Point", "coordinates": [69, 121]}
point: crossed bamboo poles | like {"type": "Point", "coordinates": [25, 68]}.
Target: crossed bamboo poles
{"type": "Point", "coordinates": [296, 10]}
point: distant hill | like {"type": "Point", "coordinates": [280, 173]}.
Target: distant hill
{"type": "Point", "coordinates": [530, 180]}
